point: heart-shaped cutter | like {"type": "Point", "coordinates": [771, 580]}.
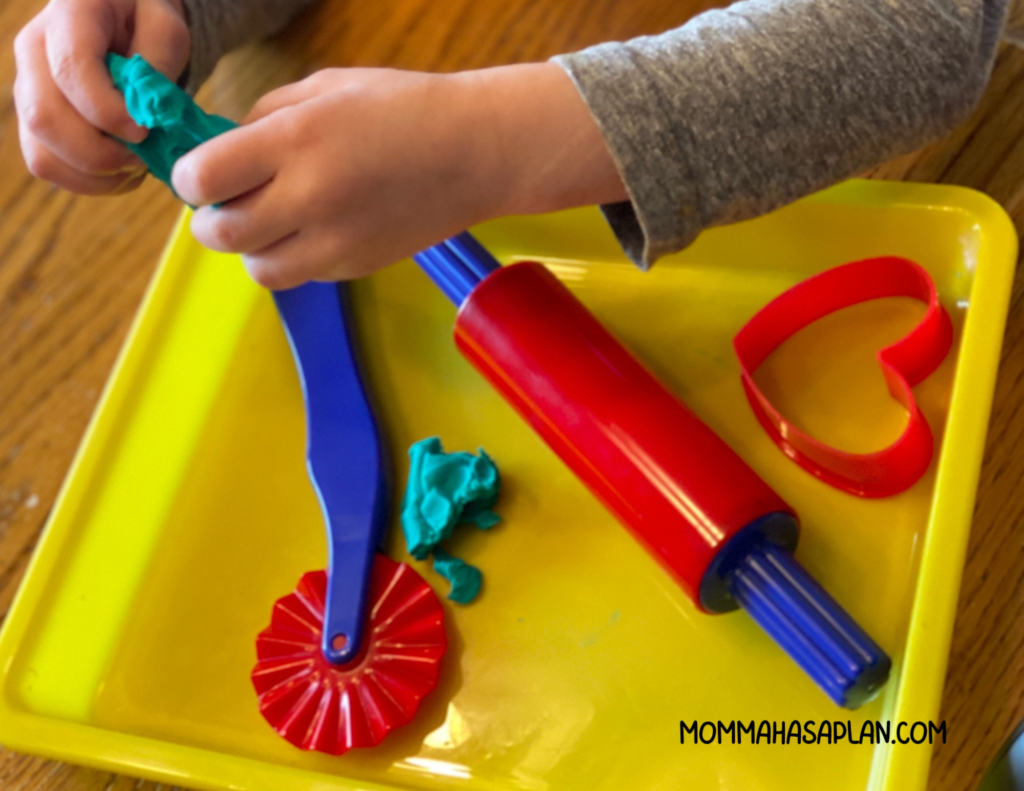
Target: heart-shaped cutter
{"type": "Point", "coordinates": [904, 364]}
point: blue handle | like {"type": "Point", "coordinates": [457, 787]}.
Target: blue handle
{"type": "Point", "coordinates": [457, 265]}
{"type": "Point", "coordinates": [344, 454]}
{"type": "Point", "coordinates": [809, 625]}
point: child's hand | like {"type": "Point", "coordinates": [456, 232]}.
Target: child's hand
{"type": "Point", "coordinates": [67, 106]}
{"type": "Point", "coordinates": [354, 169]}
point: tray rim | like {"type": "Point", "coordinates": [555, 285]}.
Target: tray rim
{"type": "Point", "coordinates": [936, 591]}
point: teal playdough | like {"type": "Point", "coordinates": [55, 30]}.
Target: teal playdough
{"type": "Point", "coordinates": [465, 579]}
{"type": "Point", "coordinates": [446, 489]}
{"type": "Point", "coordinates": [176, 123]}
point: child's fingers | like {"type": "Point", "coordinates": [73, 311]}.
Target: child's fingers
{"type": "Point", "coordinates": [44, 164]}
{"type": "Point", "coordinates": [226, 167]}
{"type": "Point", "coordinates": [285, 96]}
{"type": "Point", "coordinates": [161, 37]}
{"type": "Point", "coordinates": [292, 261]}
{"type": "Point", "coordinates": [293, 93]}
{"type": "Point", "coordinates": [50, 118]}
{"type": "Point", "coordinates": [248, 224]}
{"type": "Point", "coordinates": [76, 44]}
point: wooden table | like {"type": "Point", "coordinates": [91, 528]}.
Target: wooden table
{"type": "Point", "coordinates": [73, 270]}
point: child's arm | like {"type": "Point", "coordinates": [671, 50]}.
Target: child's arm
{"type": "Point", "coordinates": [745, 109]}
{"type": "Point", "coordinates": [353, 169]}
{"type": "Point", "coordinates": [734, 114]}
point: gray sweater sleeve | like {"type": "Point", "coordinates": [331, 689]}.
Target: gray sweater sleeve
{"type": "Point", "coordinates": [218, 26]}
{"type": "Point", "coordinates": [745, 109]}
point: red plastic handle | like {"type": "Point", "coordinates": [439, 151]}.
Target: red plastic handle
{"type": "Point", "coordinates": [904, 364]}
{"type": "Point", "coordinates": [668, 477]}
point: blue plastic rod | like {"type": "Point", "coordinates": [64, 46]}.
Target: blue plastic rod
{"type": "Point", "coordinates": [457, 265]}
{"type": "Point", "coordinates": [810, 625]}
{"type": "Point", "coordinates": [440, 273]}
{"type": "Point", "coordinates": [473, 254]}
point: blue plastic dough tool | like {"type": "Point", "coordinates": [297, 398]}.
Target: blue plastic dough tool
{"type": "Point", "coordinates": [344, 455]}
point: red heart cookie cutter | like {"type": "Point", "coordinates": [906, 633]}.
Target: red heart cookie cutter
{"type": "Point", "coordinates": [904, 364]}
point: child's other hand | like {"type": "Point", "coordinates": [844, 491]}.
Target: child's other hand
{"type": "Point", "coordinates": [68, 107]}
{"type": "Point", "coordinates": [351, 170]}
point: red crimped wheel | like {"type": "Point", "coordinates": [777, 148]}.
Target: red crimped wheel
{"type": "Point", "coordinates": [331, 708]}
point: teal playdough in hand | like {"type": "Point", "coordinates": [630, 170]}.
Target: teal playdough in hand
{"type": "Point", "coordinates": [176, 123]}
{"type": "Point", "coordinates": [446, 489]}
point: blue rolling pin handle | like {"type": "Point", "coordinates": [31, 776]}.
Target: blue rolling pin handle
{"type": "Point", "coordinates": [447, 278]}
{"type": "Point", "coordinates": [472, 254]}
{"type": "Point", "coordinates": [457, 265]}
{"type": "Point", "coordinates": [344, 455]}
{"type": "Point", "coordinates": [809, 625]}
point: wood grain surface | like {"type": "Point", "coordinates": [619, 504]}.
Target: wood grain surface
{"type": "Point", "coordinates": [73, 270]}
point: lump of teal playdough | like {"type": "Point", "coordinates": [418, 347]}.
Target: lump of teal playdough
{"type": "Point", "coordinates": [446, 489]}
{"type": "Point", "coordinates": [176, 123]}
{"type": "Point", "coordinates": [465, 579]}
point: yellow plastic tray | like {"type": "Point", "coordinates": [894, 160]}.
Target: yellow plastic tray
{"type": "Point", "coordinates": [188, 512]}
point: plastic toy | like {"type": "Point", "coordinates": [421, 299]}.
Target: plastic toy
{"type": "Point", "coordinates": [904, 365]}
{"type": "Point", "coordinates": [349, 655]}
{"type": "Point", "coordinates": [708, 518]}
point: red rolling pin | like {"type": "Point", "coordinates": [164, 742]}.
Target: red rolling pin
{"type": "Point", "coordinates": [708, 518]}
